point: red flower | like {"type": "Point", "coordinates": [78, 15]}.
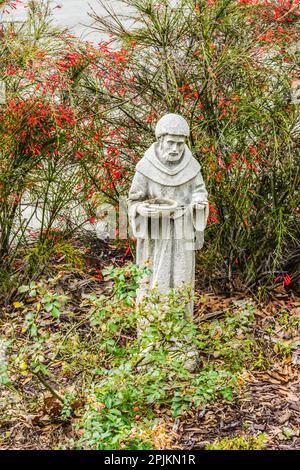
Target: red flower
{"type": "Point", "coordinates": [286, 279]}
{"type": "Point", "coordinates": [79, 154]}
{"type": "Point", "coordinates": [221, 163]}
{"type": "Point", "coordinates": [99, 406]}
{"type": "Point", "coordinates": [127, 252]}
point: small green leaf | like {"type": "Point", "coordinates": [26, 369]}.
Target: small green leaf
{"type": "Point", "coordinates": [55, 312]}
{"type": "Point", "coordinates": [23, 289]}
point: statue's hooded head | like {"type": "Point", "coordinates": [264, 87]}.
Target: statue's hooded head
{"type": "Point", "coordinates": [171, 132]}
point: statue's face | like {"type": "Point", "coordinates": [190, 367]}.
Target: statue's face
{"type": "Point", "coordinates": [171, 147]}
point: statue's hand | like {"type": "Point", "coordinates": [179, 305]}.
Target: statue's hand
{"type": "Point", "coordinates": [199, 205]}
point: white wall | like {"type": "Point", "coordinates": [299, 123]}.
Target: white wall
{"type": "Point", "coordinates": [72, 14]}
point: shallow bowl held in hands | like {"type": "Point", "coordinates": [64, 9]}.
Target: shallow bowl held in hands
{"type": "Point", "coordinates": [158, 207]}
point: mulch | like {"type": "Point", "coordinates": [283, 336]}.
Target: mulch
{"type": "Point", "coordinates": [268, 401]}
{"type": "Point", "coordinates": [261, 407]}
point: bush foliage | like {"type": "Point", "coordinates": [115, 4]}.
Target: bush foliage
{"type": "Point", "coordinates": [78, 117]}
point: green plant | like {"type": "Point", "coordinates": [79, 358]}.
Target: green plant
{"type": "Point", "coordinates": [41, 303]}
{"type": "Point", "coordinates": [283, 350]}
{"type": "Point", "coordinates": [232, 338]}
{"type": "Point", "coordinates": [48, 301]}
{"type": "Point", "coordinates": [123, 372]}
{"type": "Point", "coordinates": [66, 411]}
{"type": "Point", "coordinates": [4, 377]}
{"type": "Point", "coordinates": [286, 319]}
{"type": "Point", "coordinates": [146, 372]}
{"type": "Point", "coordinates": [239, 443]}
{"type": "Point", "coordinates": [126, 280]}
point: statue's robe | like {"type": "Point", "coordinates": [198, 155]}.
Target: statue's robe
{"type": "Point", "coordinates": [169, 243]}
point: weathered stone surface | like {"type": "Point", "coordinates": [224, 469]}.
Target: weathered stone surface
{"type": "Point", "coordinates": [168, 208]}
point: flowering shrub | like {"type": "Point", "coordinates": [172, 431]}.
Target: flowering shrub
{"type": "Point", "coordinates": [230, 67]}
{"type": "Point", "coordinates": [55, 154]}
{"type": "Point", "coordinates": [78, 117]}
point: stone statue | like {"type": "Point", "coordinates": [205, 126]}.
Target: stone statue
{"type": "Point", "coordinates": [168, 208]}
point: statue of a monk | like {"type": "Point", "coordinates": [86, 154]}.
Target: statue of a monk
{"type": "Point", "coordinates": [168, 208]}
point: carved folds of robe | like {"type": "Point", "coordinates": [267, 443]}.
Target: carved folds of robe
{"type": "Point", "coordinates": [169, 243]}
